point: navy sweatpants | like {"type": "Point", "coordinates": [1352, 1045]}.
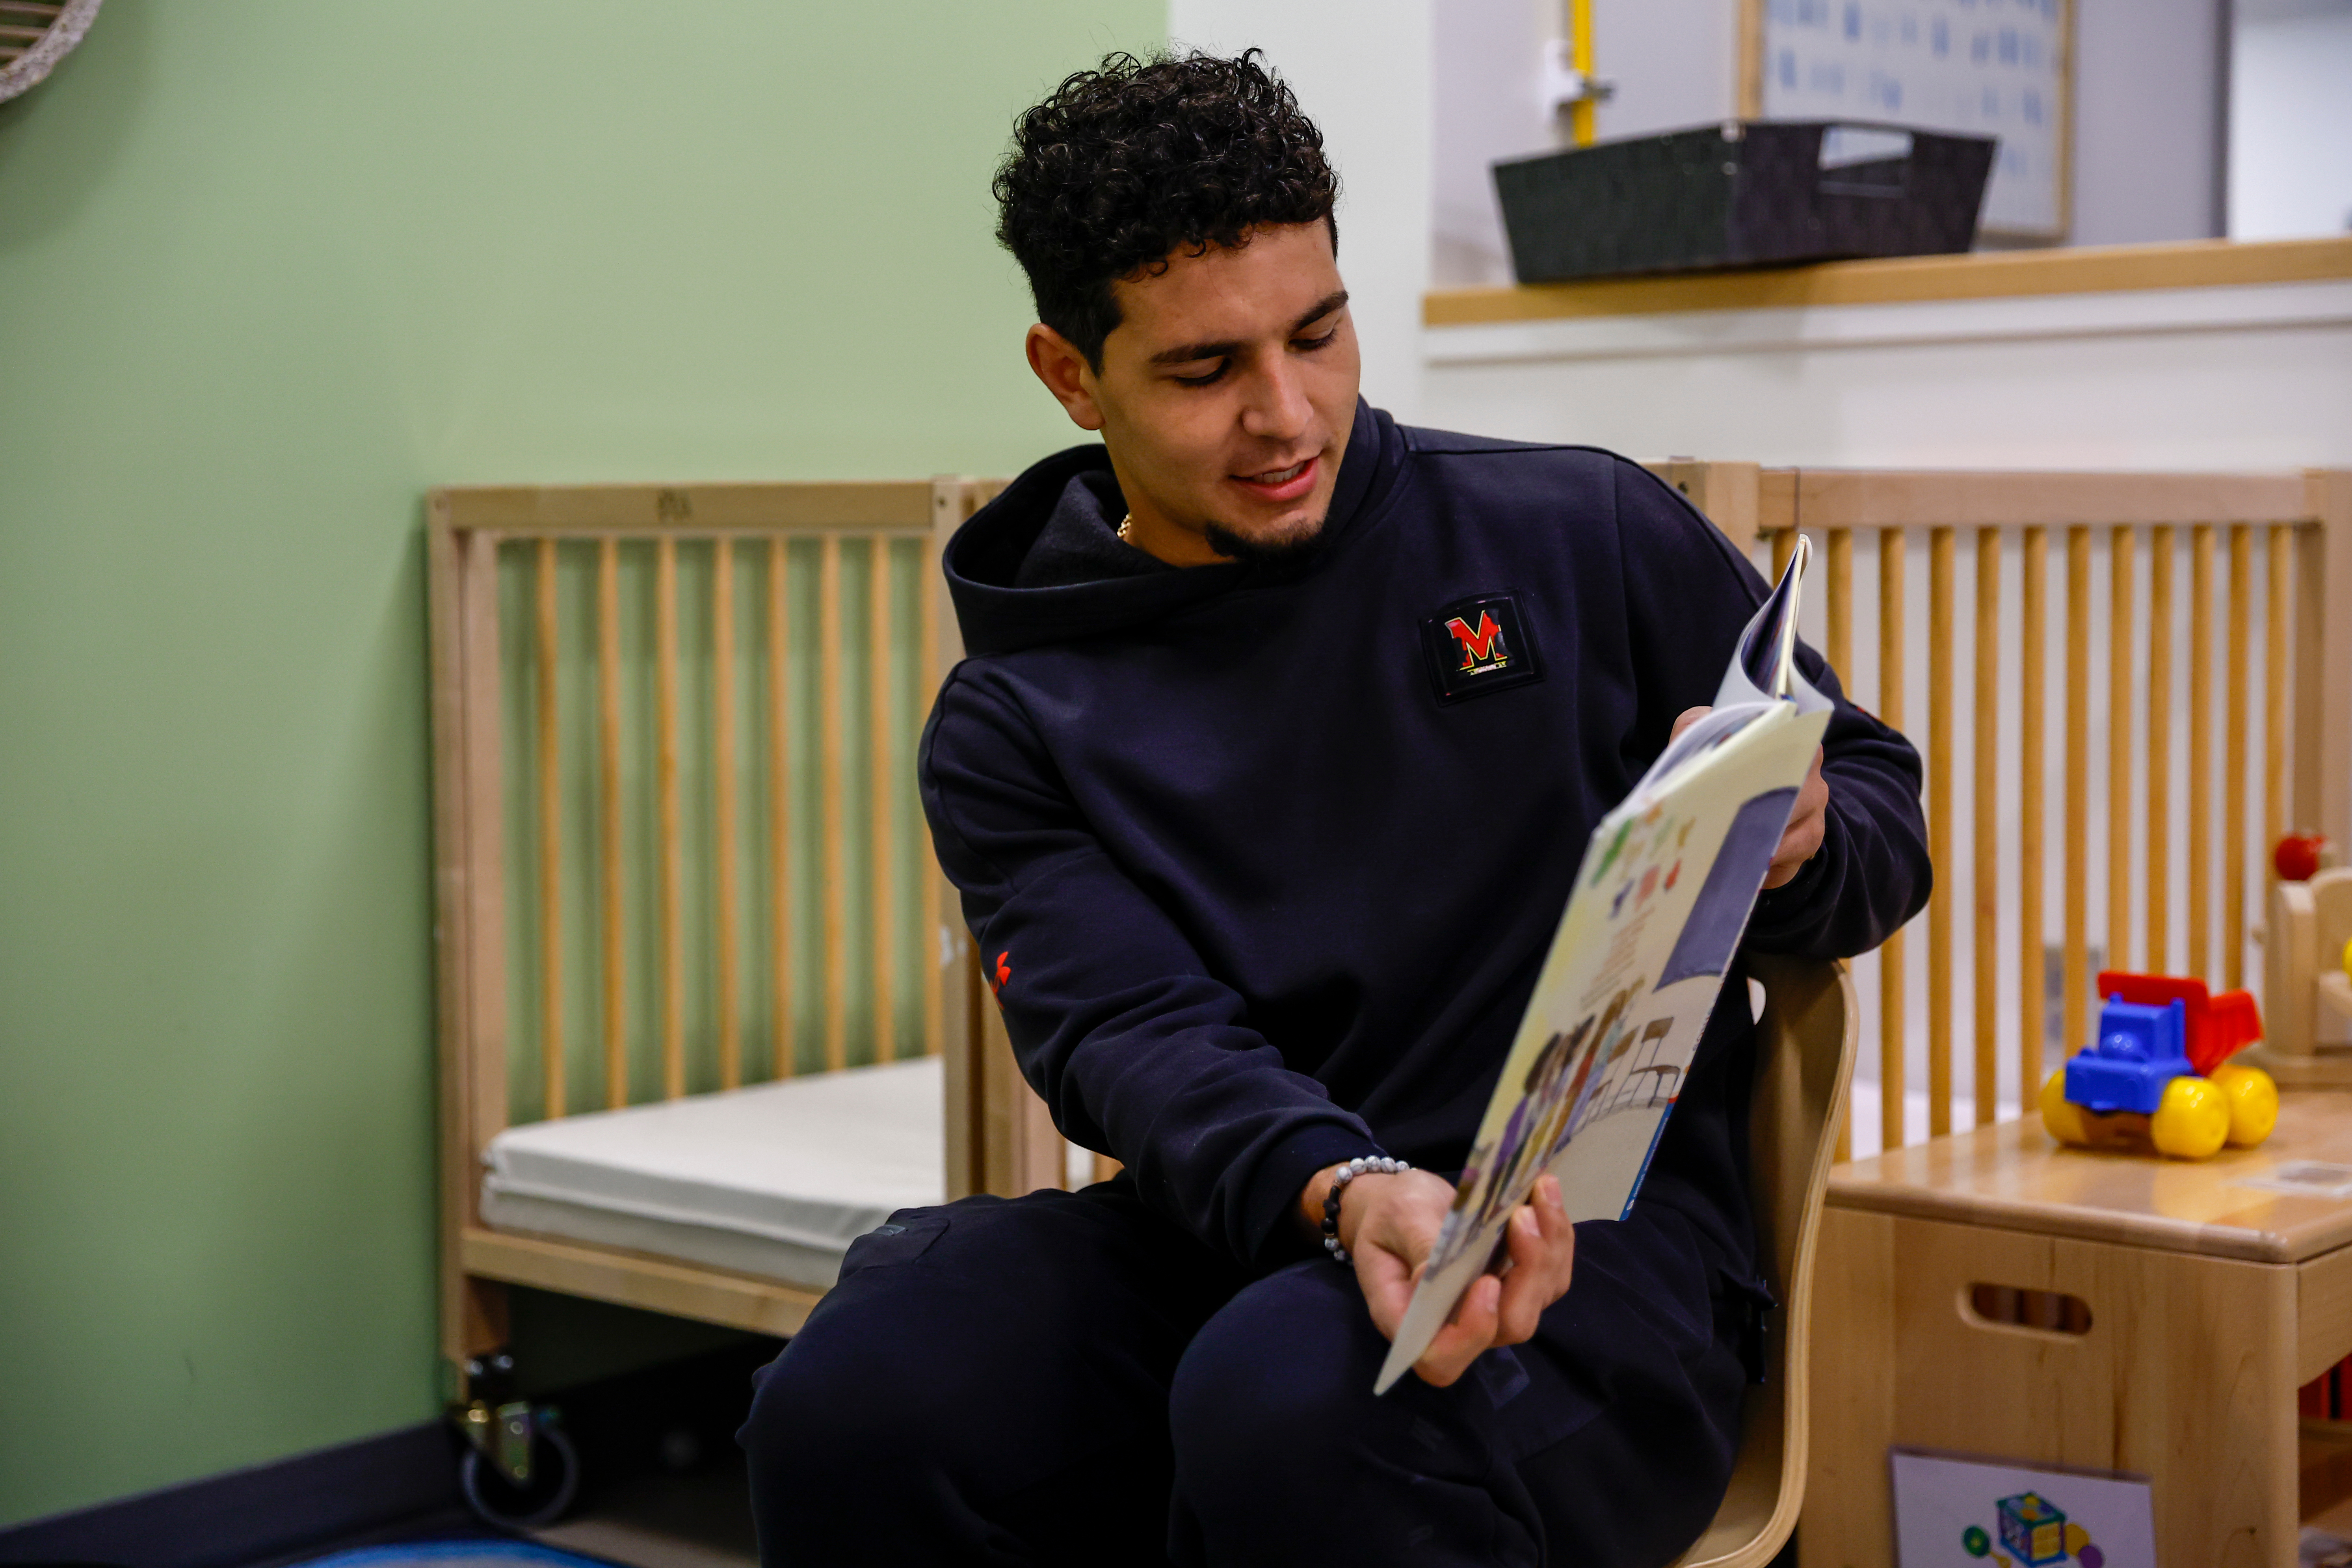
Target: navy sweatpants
{"type": "Point", "coordinates": [1067, 1378]}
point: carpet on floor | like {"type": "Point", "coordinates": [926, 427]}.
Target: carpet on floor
{"type": "Point", "coordinates": [454, 1554]}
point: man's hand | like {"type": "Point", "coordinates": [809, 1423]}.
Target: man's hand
{"type": "Point", "coordinates": [1806, 823]}
{"type": "Point", "coordinates": [1389, 1223]}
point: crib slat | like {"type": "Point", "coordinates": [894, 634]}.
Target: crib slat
{"type": "Point", "coordinates": [551, 843]}
{"type": "Point", "coordinates": [1891, 991]}
{"type": "Point", "coordinates": [879, 736]}
{"type": "Point", "coordinates": [2201, 749]}
{"type": "Point", "coordinates": [2119, 752]}
{"type": "Point", "coordinates": [2032, 965]}
{"type": "Point", "coordinates": [2076, 1019]}
{"type": "Point", "coordinates": [1840, 605]}
{"type": "Point", "coordinates": [1784, 545]}
{"type": "Point", "coordinates": [926, 959]}
{"type": "Point", "coordinates": [2280, 540]}
{"type": "Point", "coordinates": [608, 792]}
{"type": "Point", "coordinates": [1987, 831]}
{"type": "Point", "coordinates": [780, 808]}
{"type": "Point", "coordinates": [723, 846]}
{"type": "Point", "coordinates": [2233, 762]}
{"type": "Point", "coordinates": [829, 765]}
{"type": "Point", "coordinates": [2159, 750]}
{"type": "Point", "coordinates": [673, 934]}
{"type": "Point", "coordinates": [1941, 549]}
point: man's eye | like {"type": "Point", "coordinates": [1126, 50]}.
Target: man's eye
{"type": "Point", "coordinates": [1216, 375]}
{"type": "Point", "coordinates": [1309, 345]}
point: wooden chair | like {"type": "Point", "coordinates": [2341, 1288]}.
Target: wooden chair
{"type": "Point", "coordinates": [1805, 1045]}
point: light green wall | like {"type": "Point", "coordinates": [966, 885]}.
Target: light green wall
{"type": "Point", "coordinates": [268, 269]}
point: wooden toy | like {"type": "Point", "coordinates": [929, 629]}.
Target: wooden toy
{"type": "Point", "coordinates": [2158, 1074]}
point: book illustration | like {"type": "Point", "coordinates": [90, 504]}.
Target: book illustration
{"type": "Point", "coordinates": [1652, 926]}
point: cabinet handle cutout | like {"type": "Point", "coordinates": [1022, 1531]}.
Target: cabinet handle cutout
{"type": "Point", "coordinates": [2013, 1307]}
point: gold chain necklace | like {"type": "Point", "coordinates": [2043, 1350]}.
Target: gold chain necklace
{"type": "Point", "coordinates": [1124, 523]}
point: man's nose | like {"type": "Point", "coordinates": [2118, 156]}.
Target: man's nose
{"type": "Point", "coordinates": [1277, 409]}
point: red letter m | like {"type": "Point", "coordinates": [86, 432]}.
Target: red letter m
{"type": "Point", "coordinates": [1484, 646]}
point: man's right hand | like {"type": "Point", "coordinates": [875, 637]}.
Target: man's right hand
{"type": "Point", "coordinates": [1389, 1225]}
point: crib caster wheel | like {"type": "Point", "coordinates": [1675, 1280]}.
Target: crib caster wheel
{"type": "Point", "coordinates": [528, 1477]}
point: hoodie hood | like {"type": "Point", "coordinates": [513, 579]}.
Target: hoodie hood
{"type": "Point", "coordinates": [983, 559]}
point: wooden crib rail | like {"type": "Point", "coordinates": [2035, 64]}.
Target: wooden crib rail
{"type": "Point", "coordinates": [662, 768]}
{"type": "Point", "coordinates": [2126, 530]}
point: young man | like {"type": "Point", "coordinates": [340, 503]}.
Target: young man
{"type": "Point", "coordinates": [1281, 735]}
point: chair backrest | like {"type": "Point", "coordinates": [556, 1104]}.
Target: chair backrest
{"type": "Point", "coordinates": [1804, 1059]}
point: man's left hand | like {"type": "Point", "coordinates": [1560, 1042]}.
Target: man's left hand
{"type": "Point", "coordinates": [1807, 823]}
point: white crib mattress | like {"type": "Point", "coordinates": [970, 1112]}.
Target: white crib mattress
{"type": "Point", "coordinates": [776, 1180]}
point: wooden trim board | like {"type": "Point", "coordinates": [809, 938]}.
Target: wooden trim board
{"type": "Point", "coordinates": [1896, 498]}
{"type": "Point", "coordinates": [690, 509]}
{"type": "Point", "coordinates": [637, 1279]}
{"type": "Point", "coordinates": [1983, 275]}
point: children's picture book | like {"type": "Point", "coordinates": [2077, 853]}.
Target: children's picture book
{"type": "Point", "coordinates": [1660, 902]}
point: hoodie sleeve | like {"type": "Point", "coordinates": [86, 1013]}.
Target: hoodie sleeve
{"type": "Point", "coordinates": [1114, 1020]}
{"type": "Point", "coordinates": [1687, 594]}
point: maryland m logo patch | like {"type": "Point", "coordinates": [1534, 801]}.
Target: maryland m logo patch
{"type": "Point", "coordinates": [1477, 645]}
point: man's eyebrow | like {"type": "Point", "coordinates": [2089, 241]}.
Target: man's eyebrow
{"type": "Point", "coordinates": [1188, 353]}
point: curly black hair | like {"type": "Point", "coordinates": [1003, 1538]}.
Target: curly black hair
{"type": "Point", "coordinates": [1123, 165]}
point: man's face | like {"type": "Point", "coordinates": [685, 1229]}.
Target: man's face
{"type": "Point", "coordinates": [1225, 396]}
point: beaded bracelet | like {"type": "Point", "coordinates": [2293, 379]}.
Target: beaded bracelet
{"type": "Point", "coordinates": [1363, 1164]}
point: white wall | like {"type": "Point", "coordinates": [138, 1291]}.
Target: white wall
{"type": "Point", "coordinates": [2290, 120]}
{"type": "Point", "coordinates": [2147, 132]}
{"type": "Point", "coordinates": [1362, 71]}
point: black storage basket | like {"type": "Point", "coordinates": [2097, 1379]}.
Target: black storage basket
{"type": "Point", "coordinates": [1737, 194]}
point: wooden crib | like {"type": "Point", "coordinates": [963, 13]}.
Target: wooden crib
{"type": "Point", "coordinates": [678, 845]}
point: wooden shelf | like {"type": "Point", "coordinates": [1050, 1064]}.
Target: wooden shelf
{"type": "Point", "coordinates": [1983, 275]}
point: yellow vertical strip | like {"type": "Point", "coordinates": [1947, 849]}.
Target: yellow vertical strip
{"type": "Point", "coordinates": [1583, 124]}
{"type": "Point", "coordinates": [2201, 750]}
{"type": "Point", "coordinates": [1784, 545]}
{"type": "Point", "coordinates": [880, 732]}
{"type": "Point", "coordinates": [830, 763]}
{"type": "Point", "coordinates": [608, 807]}
{"type": "Point", "coordinates": [1893, 994]}
{"type": "Point", "coordinates": [722, 763]}
{"type": "Point", "coordinates": [2120, 542]}
{"type": "Point", "coordinates": [2159, 957]}
{"type": "Point", "coordinates": [1840, 605]}
{"type": "Point", "coordinates": [673, 934]}
{"type": "Point", "coordinates": [1940, 557]}
{"type": "Point", "coordinates": [1986, 960]}
{"type": "Point", "coordinates": [780, 806]}
{"type": "Point", "coordinates": [2032, 975]}
{"type": "Point", "coordinates": [2233, 760]}
{"type": "Point", "coordinates": [551, 843]}
{"type": "Point", "coordinates": [2076, 1021]}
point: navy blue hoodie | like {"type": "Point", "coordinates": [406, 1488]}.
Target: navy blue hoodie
{"type": "Point", "coordinates": [1263, 882]}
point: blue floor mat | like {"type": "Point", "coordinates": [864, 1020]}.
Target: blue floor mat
{"type": "Point", "coordinates": [454, 1554]}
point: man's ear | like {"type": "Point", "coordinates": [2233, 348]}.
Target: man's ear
{"type": "Point", "coordinates": [1065, 370]}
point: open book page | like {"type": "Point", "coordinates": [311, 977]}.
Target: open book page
{"type": "Point", "coordinates": [1662, 899]}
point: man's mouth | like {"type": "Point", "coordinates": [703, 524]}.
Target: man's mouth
{"type": "Point", "coordinates": [1281, 484]}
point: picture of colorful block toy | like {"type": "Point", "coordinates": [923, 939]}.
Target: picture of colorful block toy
{"type": "Point", "coordinates": [2032, 1530]}
{"type": "Point", "coordinates": [2158, 1073]}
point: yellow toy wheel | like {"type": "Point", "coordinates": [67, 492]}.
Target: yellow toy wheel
{"type": "Point", "coordinates": [2253, 1102]}
{"type": "Point", "coordinates": [2061, 1117]}
{"type": "Point", "coordinates": [2192, 1122]}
